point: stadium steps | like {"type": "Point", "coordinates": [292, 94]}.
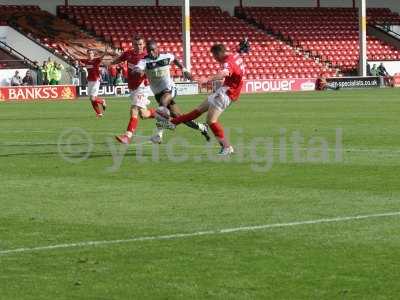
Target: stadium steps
{"type": "Point", "coordinates": [10, 61]}
{"type": "Point", "coordinates": [384, 34]}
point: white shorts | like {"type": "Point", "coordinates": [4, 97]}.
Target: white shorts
{"type": "Point", "coordinates": [93, 88]}
{"type": "Point", "coordinates": [220, 99]}
{"type": "Point", "coordinates": [140, 96]}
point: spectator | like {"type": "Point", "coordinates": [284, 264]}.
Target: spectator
{"type": "Point", "coordinates": [49, 62]}
{"type": "Point", "coordinates": [120, 79]}
{"type": "Point", "coordinates": [104, 75]}
{"type": "Point", "coordinates": [55, 73]}
{"type": "Point", "coordinates": [45, 73]}
{"type": "Point", "coordinates": [16, 79]}
{"type": "Point", "coordinates": [75, 73]}
{"type": "Point", "coordinates": [113, 74]}
{"type": "Point", "coordinates": [121, 71]}
{"type": "Point", "coordinates": [49, 69]}
{"type": "Point", "coordinates": [84, 75]}
{"type": "Point", "coordinates": [382, 70]}
{"type": "Point", "coordinates": [244, 46]}
{"type": "Point", "coordinates": [39, 74]}
{"type": "Point", "coordinates": [369, 70]}
{"type": "Point", "coordinates": [125, 71]}
{"type": "Point", "coordinates": [384, 75]}
{"type": "Point", "coordinates": [28, 79]}
{"type": "Point", "coordinates": [374, 70]}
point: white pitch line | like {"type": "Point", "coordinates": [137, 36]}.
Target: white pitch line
{"type": "Point", "coordinates": [198, 233]}
{"type": "Point", "coordinates": [149, 144]}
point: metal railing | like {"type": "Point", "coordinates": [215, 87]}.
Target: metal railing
{"type": "Point", "coordinates": [388, 30]}
{"type": "Point", "coordinates": [16, 53]}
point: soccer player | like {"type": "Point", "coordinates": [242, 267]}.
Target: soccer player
{"type": "Point", "coordinates": [138, 87]}
{"type": "Point", "coordinates": [232, 73]}
{"type": "Point", "coordinates": [92, 65]}
{"type": "Point", "coordinates": [157, 67]}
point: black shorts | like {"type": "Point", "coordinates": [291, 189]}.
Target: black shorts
{"type": "Point", "coordinates": [171, 91]}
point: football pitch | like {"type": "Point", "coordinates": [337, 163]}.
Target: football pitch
{"type": "Point", "coordinates": [308, 207]}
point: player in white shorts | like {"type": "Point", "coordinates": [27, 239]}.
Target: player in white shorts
{"type": "Point", "coordinates": [138, 86]}
{"type": "Point", "coordinates": [157, 67]}
{"type": "Point", "coordinates": [92, 64]}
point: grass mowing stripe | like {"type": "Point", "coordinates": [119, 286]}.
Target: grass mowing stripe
{"type": "Point", "coordinates": [199, 233]}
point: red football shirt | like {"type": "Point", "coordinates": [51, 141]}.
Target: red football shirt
{"type": "Point", "coordinates": [93, 68]}
{"type": "Point", "coordinates": [132, 58]}
{"type": "Point", "coordinates": [234, 66]}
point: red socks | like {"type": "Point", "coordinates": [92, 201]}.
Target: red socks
{"type": "Point", "coordinates": [186, 117]}
{"type": "Point", "coordinates": [152, 112]}
{"type": "Point", "coordinates": [133, 122]}
{"type": "Point", "coordinates": [98, 100]}
{"type": "Point", "coordinates": [218, 131]}
{"type": "Point", "coordinates": [95, 105]}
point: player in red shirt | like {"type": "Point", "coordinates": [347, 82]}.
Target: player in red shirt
{"type": "Point", "coordinates": [232, 73]}
{"type": "Point", "coordinates": [138, 87]}
{"type": "Point", "coordinates": [92, 64]}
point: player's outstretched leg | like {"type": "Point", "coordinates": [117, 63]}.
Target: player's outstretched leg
{"type": "Point", "coordinates": [194, 114]}
{"type": "Point", "coordinates": [184, 118]}
{"type": "Point", "coordinates": [203, 128]}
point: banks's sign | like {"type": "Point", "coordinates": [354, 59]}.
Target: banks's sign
{"type": "Point", "coordinates": [40, 92]}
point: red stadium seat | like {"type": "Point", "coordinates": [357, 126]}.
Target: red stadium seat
{"type": "Point", "coordinates": [321, 29]}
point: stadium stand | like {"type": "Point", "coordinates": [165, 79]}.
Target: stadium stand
{"type": "Point", "coordinates": [382, 16]}
{"type": "Point", "coordinates": [270, 58]}
{"type": "Point", "coordinates": [7, 10]}
{"type": "Point", "coordinates": [330, 34]}
{"type": "Point", "coordinates": [55, 34]}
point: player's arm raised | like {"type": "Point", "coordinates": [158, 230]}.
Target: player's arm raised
{"type": "Point", "coordinates": [185, 72]}
{"type": "Point", "coordinates": [105, 51]}
{"type": "Point", "coordinates": [106, 62]}
{"type": "Point", "coordinates": [140, 67]}
{"type": "Point", "coordinates": [118, 60]}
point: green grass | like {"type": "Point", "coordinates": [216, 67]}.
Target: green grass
{"type": "Point", "coordinates": [45, 200]}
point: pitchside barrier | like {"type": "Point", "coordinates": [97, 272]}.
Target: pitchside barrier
{"type": "Point", "coordinates": [279, 85]}
{"type": "Point", "coordinates": [354, 82]}
{"type": "Point", "coordinates": [38, 92]}
{"type": "Point", "coordinates": [70, 92]}
{"type": "Point", "coordinates": [184, 88]}
{"type": "Point", "coordinates": [297, 85]}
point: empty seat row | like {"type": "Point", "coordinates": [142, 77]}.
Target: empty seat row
{"type": "Point", "coordinates": [337, 43]}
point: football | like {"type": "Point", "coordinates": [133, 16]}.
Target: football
{"type": "Point", "coordinates": [162, 113]}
